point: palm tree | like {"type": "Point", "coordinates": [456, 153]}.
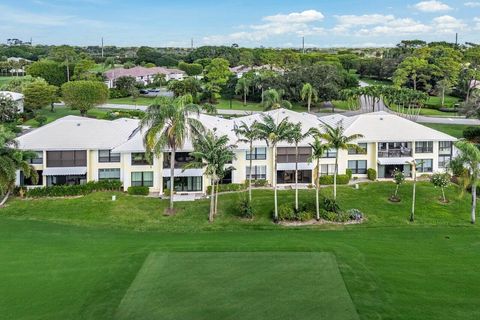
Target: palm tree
{"type": "Point", "coordinates": [272, 99]}
{"type": "Point", "coordinates": [337, 140]}
{"type": "Point", "coordinates": [296, 136]}
{"type": "Point", "coordinates": [168, 124]}
{"type": "Point", "coordinates": [11, 160]}
{"type": "Point", "coordinates": [273, 132]}
{"type": "Point", "coordinates": [243, 86]}
{"type": "Point", "coordinates": [308, 93]}
{"type": "Point", "coordinates": [318, 150]}
{"type": "Point", "coordinates": [213, 154]}
{"type": "Point", "coordinates": [247, 134]}
{"type": "Point", "coordinates": [470, 158]}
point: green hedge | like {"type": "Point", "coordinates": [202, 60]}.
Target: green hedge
{"type": "Point", "coordinates": [74, 190]}
{"type": "Point", "coordinates": [372, 174]}
{"type": "Point", "coordinates": [228, 187]}
{"type": "Point", "coordinates": [138, 191]}
{"type": "Point", "coordinates": [341, 179]}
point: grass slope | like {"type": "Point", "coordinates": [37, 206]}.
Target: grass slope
{"type": "Point", "coordinates": [61, 112]}
{"type": "Point", "coordinates": [455, 130]}
{"type": "Point", "coordinates": [238, 285]}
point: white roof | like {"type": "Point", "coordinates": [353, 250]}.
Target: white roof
{"type": "Point", "coordinates": [75, 133]}
{"type": "Point", "coordinates": [65, 171]}
{"type": "Point", "coordinates": [15, 96]}
{"type": "Point", "coordinates": [387, 161]}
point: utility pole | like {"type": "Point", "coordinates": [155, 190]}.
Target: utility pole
{"type": "Point", "coordinates": [191, 43]}
{"type": "Point", "coordinates": [456, 39]}
{"type": "Point", "coordinates": [303, 45]}
{"type": "Point", "coordinates": [102, 47]}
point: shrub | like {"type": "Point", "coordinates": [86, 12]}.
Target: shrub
{"type": "Point", "coordinates": [228, 187]}
{"type": "Point", "coordinates": [259, 183]}
{"type": "Point", "coordinates": [117, 93]}
{"type": "Point", "coordinates": [355, 214]}
{"type": "Point", "coordinates": [167, 192]}
{"type": "Point", "coordinates": [245, 209]}
{"type": "Point", "coordinates": [331, 205]}
{"type": "Point", "coordinates": [304, 216]}
{"type": "Point", "coordinates": [330, 216]}
{"type": "Point", "coordinates": [472, 134]}
{"type": "Point", "coordinates": [286, 212]}
{"type": "Point", "coordinates": [341, 179]}
{"type": "Point", "coordinates": [372, 174]}
{"type": "Point", "coordinates": [41, 120]}
{"type": "Point", "coordinates": [349, 173]}
{"type": "Point", "coordinates": [74, 190]}
{"type": "Point", "coordinates": [138, 191]}
{"type": "Point", "coordinates": [342, 217]}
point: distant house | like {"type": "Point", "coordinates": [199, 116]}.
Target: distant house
{"type": "Point", "coordinates": [15, 96]}
{"type": "Point", "coordinates": [21, 63]}
{"type": "Point", "coordinates": [239, 71]}
{"type": "Point", "coordinates": [142, 74]}
{"type": "Point", "coordinates": [475, 84]}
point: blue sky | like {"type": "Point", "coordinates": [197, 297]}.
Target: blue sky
{"type": "Point", "coordinates": [275, 23]}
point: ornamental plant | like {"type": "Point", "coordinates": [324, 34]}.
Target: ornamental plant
{"type": "Point", "coordinates": [441, 180]}
{"type": "Point", "coordinates": [398, 178]}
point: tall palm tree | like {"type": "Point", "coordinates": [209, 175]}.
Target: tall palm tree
{"type": "Point", "coordinates": [470, 158]}
{"type": "Point", "coordinates": [272, 99]}
{"type": "Point", "coordinates": [308, 93]}
{"type": "Point", "coordinates": [168, 123]}
{"type": "Point", "coordinates": [337, 140]}
{"type": "Point", "coordinates": [213, 154]}
{"type": "Point", "coordinates": [243, 86]}
{"type": "Point", "coordinates": [247, 134]}
{"type": "Point", "coordinates": [296, 136]}
{"type": "Point", "coordinates": [273, 133]}
{"type": "Point", "coordinates": [318, 150]}
{"type": "Point", "coordinates": [11, 160]}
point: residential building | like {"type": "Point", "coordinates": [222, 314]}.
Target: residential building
{"type": "Point", "coordinates": [16, 97]}
{"type": "Point", "coordinates": [239, 71]}
{"type": "Point", "coordinates": [74, 149]}
{"type": "Point", "coordinates": [142, 74]}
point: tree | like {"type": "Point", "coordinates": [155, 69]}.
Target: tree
{"type": "Point", "coordinates": [470, 158]}
{"type": "Point", "coordinates": [398, 178]}
{"type": "Point", "coordinates": [410, 70]}
{"type": "Point", "coordinates": [168, 123]}
{"type": "Point", "coordinates": [308, 93]}
{"type": "Point", "coordinates": [49, 70]}
{"type": "Point", "coordinates": [217, 72]}
{"type": "Point", "coordinates": [109, 63]}
{"type": "Point", "coordinates": [243, 86]}
{"type": "Point", "coordinates": [39, 94]}
{"type": "Point", "coordinates": [11, 160]}
{"type": "Point", "coordinates": [296, 136]}
{"type": "Point", "coordinates": [318, 151]}
{"type": "Point", "coordinates": [8, 109]}
{"type": "Point", "coordinates": [471, 108]}
{"type": "Point", "coordinates": [84, 94]}
{"type": "Point", "coordinates": [272, 99]}
{"type": "Point", "coordinates": [213, 154]}
{"type": "Point", "coordinates": [19, 84]}
{"type": "Point", "coordinates": [65, 54]}
{"type": "Point", "coordinates": [192, 69]}
{"type": "Point", "coordinates": [337, 140]}
{"type": "Point", "coordinates": [83, 69]}
{"type": "Point", "coordinates": [159, 80]}
{"type": "Point", "coordinates": [273, 133]}
{"type": "Point", "coordinates": [125, 83]}
{"type": "Point", "coordinates": [441, 180]}
{"type": "Point", "coordinates": [247, 134]}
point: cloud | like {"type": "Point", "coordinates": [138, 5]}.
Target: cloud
{"type": "Point", "coordinates": [10, 15]}
{"type": "Point", "coordinates": [297, 23]}
{"type": "Point", "coordinates": [432, 6]}
{"type": "Point", "coordinates": [448, 24]}
{"type": "Point", "coordinates": [472, 4]}
{"type": "Point", "coordinates": [377, 25]}
{"type": "Point", "coordinates": [477, 23]}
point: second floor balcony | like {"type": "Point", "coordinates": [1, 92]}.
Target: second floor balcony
{"type": "Point", "coordinates": [394, 149]}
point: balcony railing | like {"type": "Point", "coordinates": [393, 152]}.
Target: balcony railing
{"type": "Point", "coordinates": [395, 153]}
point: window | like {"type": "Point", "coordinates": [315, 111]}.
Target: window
{"type": "Point", "coordinates": [289, 155]}
{"type": "Point", "coordinates": [424, 165]}
{"type": "Point", "coordinates": [443, 160]}
{"type": "Point", "coordinates": [358, 166]}
{"type": "Point", "coordinates": [74, 158]}
{"type": "Point", "coordinates": [188, 184]}
{"type": "Point", "coordinates": [257, 154]}
{"type": "Point", "coordinates": [108, 156]}
{"type": "Point", "coordinates": [181, 158]}
{"type": "Point", "coordinates": [109, 174]}
{"type": "Point", "coordinates": [424, 146]}
{"type": "Point", "coordinates": [139, 159]}
{"type": "Point", "coordinates": [327, 169]}
{"type": "Point", "coordinates": [288, 176]}
{"type": "Point", "coordinates": [363, 151]}
{"type": "Point", "coordinates": [332, 153]}
{"type": "Point", "coordinates": [258, 172]}
{"type": "Point", "coordinates": [38, 159]}
{"type": "Point", "coordinates": [142, 179]}
{"type": "Point", "coordinates": [445, 147]}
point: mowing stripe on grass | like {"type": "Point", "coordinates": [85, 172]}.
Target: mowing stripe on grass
{"type": "Point", "coordinates": [238, 285]}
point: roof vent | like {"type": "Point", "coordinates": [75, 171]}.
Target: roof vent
{"type": "Point", "coordinates": [78, 124]}
{"type": "Point", "coordinates": [381, 118]}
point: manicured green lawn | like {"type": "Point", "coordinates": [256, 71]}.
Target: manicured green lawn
{"type": "Point", "coordinates": [374, 82]}
{"type": "Point", "coordinates": [61, 112]}
{"type": "Point", "coordinates": [455, 130]}
{"type": "Point", "coordinates": [141, 101]}
{"type": "Point", "coordinates": [437, 101]}
{"type": "Point", "coordinates": [232, 285]}
{"type": "Point", "coordinates": [5, 80]}
{"type": "Point", "coordinates": [85, 258]}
